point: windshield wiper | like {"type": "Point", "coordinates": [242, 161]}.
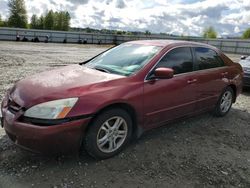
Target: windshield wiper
{"type": "Point", "coordinates": [101, 69]}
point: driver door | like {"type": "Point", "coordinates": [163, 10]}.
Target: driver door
{"type": "Point", "coordinates": [168, 99]}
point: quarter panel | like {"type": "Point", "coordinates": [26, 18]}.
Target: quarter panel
{"type": "Point", "coordinates": [210, 84]}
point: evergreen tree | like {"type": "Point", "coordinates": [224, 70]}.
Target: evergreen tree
{"type": "Point", "coordinates": [209, 33]}
{"type": "Point", "coordinates": [18, 14]}
{"type": "Point", "coordinates": [246, 34]}
{"type": "Point", "coordinates": [49, 20]}
{"type": "Point", "coordinates": [147, 32]}
{"type": "Point", "coordinates": [41, 22]}
{"type": "Point", "coordinates": [1, 22]}
{"type": "Point", "coordinates": [66, 21]}
{"type": "Point", "coordinates": [34, 22]}
{"type": "Point", "coordinates": [61, 21]}
{"type": "Point", "coordinates": [52, 21]}
{"type": "Point", "coordinates": [58, 17]}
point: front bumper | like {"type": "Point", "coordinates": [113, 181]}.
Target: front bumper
{"type": "Point", "coordinates": [49, 140]}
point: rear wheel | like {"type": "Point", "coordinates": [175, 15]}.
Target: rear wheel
{"type": "Point", "coordinates": [108, 133]}
{"type": "Point", "coordinates": [225, 102]}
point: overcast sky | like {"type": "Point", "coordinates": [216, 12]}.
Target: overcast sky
{"type": "Point", "coordinates": [187, 17]}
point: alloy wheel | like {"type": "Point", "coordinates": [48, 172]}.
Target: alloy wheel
{"type": "Point", "coordinates": [112, 134]}
{"type": "Point", "coordinates": [226, 101]}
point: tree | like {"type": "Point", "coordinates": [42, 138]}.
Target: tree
{"type": "Point", "coordinates": [246, 34]}
{"type": "Point", "coordinates": [18, 14]}
{"type": "Point", "coordinates": [58, 18]}
{"type": "Point", "coordinates": [147, 32]}
{"type": "Point", "coordinates": [66, 21]}
{"type": "Point", "coordinates": [1, 22]}
{"type": "Point", "coordinates": [61, 21]}
{"type": "Point", "coordinates": [34, 22]}
{"type": "Point", "coordinates": [41, 22]}
{"type": "Point", "coordinates": [49, 20]}
{"type": "Point", "coordinates": [209, 33]}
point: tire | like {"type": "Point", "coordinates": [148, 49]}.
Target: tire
{"type": "Point", "coordinates": [108, 134]}
{"type": "Point", "coordinates": [224, 103]}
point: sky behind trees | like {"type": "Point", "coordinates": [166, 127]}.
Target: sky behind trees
{"type": "Point", "coordinates": [181, 17]}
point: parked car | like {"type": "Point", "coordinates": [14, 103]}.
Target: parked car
{"type": "Point", "coordinates": [107, 101]}
{"type": "Point", "coordinates": [245, 63]}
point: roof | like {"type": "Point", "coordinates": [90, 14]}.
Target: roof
{"type": "Point", "coordinates": [164, 43]}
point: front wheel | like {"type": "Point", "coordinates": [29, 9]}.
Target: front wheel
{"type": "Point", "coordinates": [225, 102]}
{"type": "Point", "coordinates": [108, 133]}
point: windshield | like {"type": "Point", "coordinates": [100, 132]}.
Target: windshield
{"type": "Point", "coordinates": [125, 59]}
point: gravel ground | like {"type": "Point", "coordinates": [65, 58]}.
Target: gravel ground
{"type": "Point", "coordinates": [202, 151]}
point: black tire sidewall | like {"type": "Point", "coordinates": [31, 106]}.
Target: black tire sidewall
{"type": "Point", "coordinates": [90, 141]}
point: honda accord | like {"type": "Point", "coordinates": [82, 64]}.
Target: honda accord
{"type": "Point", "coordinates": [107, 101]}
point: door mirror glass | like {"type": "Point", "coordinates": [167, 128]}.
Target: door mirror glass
{"type": "Point", "coordinates": [163, 73]}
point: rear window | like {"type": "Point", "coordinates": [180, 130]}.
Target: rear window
{"type": "Point", "coordinates": [207, 58]}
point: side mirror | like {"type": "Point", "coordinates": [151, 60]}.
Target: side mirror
{"type": "Point", "coordinates": [163, 73]}
{"type": "Point", "coordinates": [243, 57]}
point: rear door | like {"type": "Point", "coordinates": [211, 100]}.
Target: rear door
{"type": "Point", "coordinates": [167, 99]}
{"type": "Point", "coordinates": [211, 74]}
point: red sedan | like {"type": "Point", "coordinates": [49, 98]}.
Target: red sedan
{"type": "Point", "coordinates": [105, 102]}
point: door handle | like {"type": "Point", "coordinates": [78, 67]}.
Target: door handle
{"type": "Point", "coordinates": [192, 81]}
{"type": "Point", "coordinates": [224, 74]}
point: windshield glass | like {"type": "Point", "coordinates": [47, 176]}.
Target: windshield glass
{"type": "Point", "coordinates": [125, 59]}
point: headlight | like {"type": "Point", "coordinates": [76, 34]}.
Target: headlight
{"type": "Point", "coordinates": [57, 109]}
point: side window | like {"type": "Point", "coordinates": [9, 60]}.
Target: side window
{"type": "Point", "coordinates": [207, 58]}
{"type": "Point", "coordinates": [179, 59]}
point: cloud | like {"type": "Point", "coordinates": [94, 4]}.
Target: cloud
{"type": "Point", "coordinates": [4, 8]}
{"type": "Point", "coordinates": [188, 17]}
{"type": "Point", "coordinates": [120, 4]}
{"type": "Point", "coordinates": [236, 29]}
{"type": "Point", "coordinates": [79, 2]}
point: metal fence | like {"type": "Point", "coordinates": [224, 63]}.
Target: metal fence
{"type": "Point", "coordinates": [9, 34]}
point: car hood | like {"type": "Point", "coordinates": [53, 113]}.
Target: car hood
{"type": "Point", "coordinates": [63, 82]}
{"type": "Point", "coordinates": [245, 63]}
